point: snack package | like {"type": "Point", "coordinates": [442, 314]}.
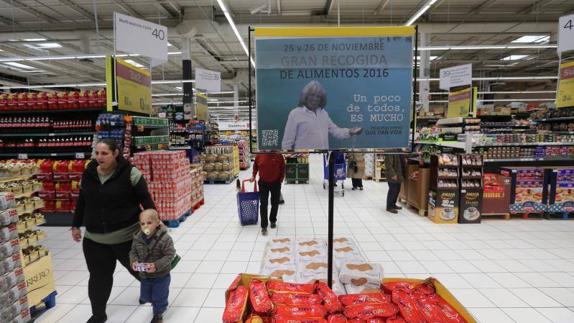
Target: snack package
{"type": "Point", "coordinates": [301, 312]}
{"type": "Point", "coordinates": [310, 244]}
{"type": "Point", "coordinates": [400, 285]}
{"type": "Point", "coordinates": [10, 312]}
{"type": "Point", "coordinates": [235, 304]}
{"type": "Point", "coordinates": [408, 306]}
{"type": "Point", "coordinates": [275, 286]}
{"type": "Point", "coordinates": [337, 318]}
{"type": "Point", "coordinates": [288, 319]}
{"type": "Point", "coordinates": [259, 297]}
{"type": "Point", "coordinates": [330, 299]}
{"type": "Point", "coordinates": [436, 309]}
{"type": "Point", "coordinates": [311, 256]}
{"type": "Point", "coordinates": [361, 273]}
{"type": "Point", "coordinates": [296, 299]}
{"type": "Point", "coordinates": [280, 243]}
{"type": "Point", "coordinates": [396, 319]}
{"type": "Point", "coordinates": [368, 298]}
{"type": "Point", "coordinates": [318, 267]}
{"type": "Point", "coordinates": [370, 311]}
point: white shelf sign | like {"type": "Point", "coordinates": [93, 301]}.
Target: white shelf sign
{"type": "Point", "coordinates": [455, 76]}
{"type": "Point", "coordinates": [566, 33]}
{"type": "Point", "coordinates": [80, 156]}
{"type": "Point", "coordinates": [137, 36]}
{"type": "Point", "coordinates": [22, 156]}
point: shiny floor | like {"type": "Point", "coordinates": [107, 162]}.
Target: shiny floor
{"type": "Point", "coordinates": [502, 271]}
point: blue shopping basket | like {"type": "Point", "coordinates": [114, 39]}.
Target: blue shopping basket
{"type": "Point", "coordinates": [248, 205]}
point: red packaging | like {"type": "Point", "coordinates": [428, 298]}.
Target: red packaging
{"type": "Point", "coordinates": [424, 290]}
{"type": "Point", "coordinates": [368, 298]}
{"type": "Point", "coordinates": [296, 299]}
{"type": "Point", "coordinates": [259, 297]}
{"type": "Point", "coordinates": [288, 319]}
{"type": "Point", "coordinates": [408, 307]}
{"type": "Point", "coordinates": [337, 318]}
{"type": "Point", "coordinates": [436, 309]}
{"type": "Point", "coordinates": [331, 302]}
{"type": "Point", "coordinates": [396, 319]}
{"type": "Point", "coordinates": [3, 101]}
{"type": "Point", "coordinates": [369, 311]}
{"type": "Point", "coordinates": [235, 304]}
{"type": "Point", "coordinates": [275, 286]}
{"type": "Point", "coordinates": [406, 286]}
{"type": "Point", "coordinates": [304, 311]}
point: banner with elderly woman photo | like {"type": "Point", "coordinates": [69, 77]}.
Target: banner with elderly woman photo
{"type": "Point", "coordinates": [333, 88]}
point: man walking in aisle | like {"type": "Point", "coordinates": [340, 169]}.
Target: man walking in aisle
{"type": "Point", "coordinates": [271, 169]}
{"type": "Point", "coordinates": [394, 172]}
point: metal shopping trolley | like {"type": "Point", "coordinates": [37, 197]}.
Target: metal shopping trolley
{"type": "Point", "coordinates": [340, 171]}
{"type": "Point", "coordinates": [248, 204]}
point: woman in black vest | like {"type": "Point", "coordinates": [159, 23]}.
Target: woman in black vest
{"type": "Point", "coordinates": [112, 195]}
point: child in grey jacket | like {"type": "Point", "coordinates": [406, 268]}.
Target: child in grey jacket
{"type": "Point", "coordinates": [151, 255]}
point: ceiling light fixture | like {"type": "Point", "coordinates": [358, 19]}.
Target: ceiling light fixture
{"type": "Point", "coordinates": [22, 66]}
{"type": "Point", "coordinates": [44, 46]}
{"type": "Point", "coordinates": [234, 27]}
{"type": "Point", "coordinates": [514, 58]}
{"type": "Point", "coordinates": [34, 39]}
{"type": "Point", "coordinates": [485, 47]}
{"type": "Point", "coordinates": [538, 39]}
{"type": "Point", "coordinates": [420, 12]}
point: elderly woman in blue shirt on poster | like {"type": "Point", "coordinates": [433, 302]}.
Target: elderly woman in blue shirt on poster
{"type": "Point", "coordinates": [309, 125]}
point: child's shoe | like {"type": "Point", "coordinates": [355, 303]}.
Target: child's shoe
{"type": "Point", "coordinates": [157, 319]}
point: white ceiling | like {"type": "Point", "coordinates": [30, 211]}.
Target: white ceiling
{"type": "Point", "coordinates": [72, 24]}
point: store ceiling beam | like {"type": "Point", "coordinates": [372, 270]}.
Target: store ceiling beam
{"type": "Point", "coordinates": [170, 8]}
{"type": "Point", "coordinates": [8, 21]}
{"type": "Point", "coordinates": [534, 7]}
{"type": "Point", "coordinates": [77, 8]}
{"type": "Point", "coordinates": [35, 12]}
{"type": "Point", "coordinates": [482, 6]}
{"type": "Point", "coordinates": [381, 7]}
{"type": "Point", "coordinates": [127, 8]}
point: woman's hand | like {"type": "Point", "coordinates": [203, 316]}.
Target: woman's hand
{"type": "Point", "coordinates": [151, 268]}
{"type": "Point", "coordinates": [355, 131]}
{"type": "Point", "coordinates": [76, 234]}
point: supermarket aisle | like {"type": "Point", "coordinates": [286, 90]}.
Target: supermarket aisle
{"type": "Point", "coordinates": [503, 271]}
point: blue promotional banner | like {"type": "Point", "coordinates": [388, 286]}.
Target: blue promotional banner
{"type": "Point", "coordinates": [334, 88]}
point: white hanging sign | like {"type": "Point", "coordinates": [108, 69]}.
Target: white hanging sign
{"type": "Point", "coordinates": [566, 33]}
{"type": "Point", "coordinates": [455, 76]}
{"type": "Point", "coordinates": [137, 36]}
{"type": "Point", "coordinates": [237, 125]}
{"type": "Point", "coordinates": [207, 80]}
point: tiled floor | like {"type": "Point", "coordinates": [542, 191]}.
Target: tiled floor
{"type": "Point", "coordinates": [502, 271]}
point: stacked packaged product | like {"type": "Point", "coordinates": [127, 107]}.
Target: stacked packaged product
{"type": "Point", "coordinates": [220, 163]}
{"type": "Point", "coordinates": [13, 288]}
{"type": "Point", "coordinates": [169, 181]}
{"type": "Point", "coordinates": [52, 100]}
{"type": "Point", "coordinates": [304, 260]}
{"type": "Point", "coordinates": [196, 186]}
{"type": "Point", "coordinates": [60, 183]}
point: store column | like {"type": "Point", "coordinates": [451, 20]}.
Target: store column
{"type": "Point", "coordinates": [424, 72]}
{"type": "Point", "coordinates": [187, 75]}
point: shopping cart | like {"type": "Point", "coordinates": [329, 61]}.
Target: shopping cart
{"type": "Point", "coordinates": [248, 204]}
{"type": "Point", "coordinates": [340, 171]}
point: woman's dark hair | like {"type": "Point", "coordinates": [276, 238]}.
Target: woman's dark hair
{"type": "Point", "coordinates": [313, 87]}
{"type": "Point", "coordinates": [111, 143]}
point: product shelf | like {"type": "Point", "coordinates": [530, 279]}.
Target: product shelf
{"type": "Point", "coordinates": [47, 134]}
{"type": "Point", "coordinates": [45, 111]}
{"type": "Point", "coordinates": [46, 155]}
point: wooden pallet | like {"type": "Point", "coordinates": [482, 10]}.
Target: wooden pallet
{"type": "Point", "coordinates": [421, 212]}
{"type": "Point", "coordinates": [559, 216]}
{"type": "Point", "coordinates": [175, 223]}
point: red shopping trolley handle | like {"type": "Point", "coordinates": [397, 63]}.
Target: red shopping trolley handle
{"type": "Point", "coordinates": [243, 185]}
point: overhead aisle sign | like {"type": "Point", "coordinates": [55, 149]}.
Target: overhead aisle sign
{"type": "Point", "coordinates": [334, 88]}
{"type": "Point", "coordinates": [133, 86]}
{"type": "Point", "coordinates": [565, 93]}
{"type": "Point", "coordinates": [461, 103]}
{"type": "Point", "coordinates": [455, 76]}
{"type": "Point", "coordinates": [137, 36]}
